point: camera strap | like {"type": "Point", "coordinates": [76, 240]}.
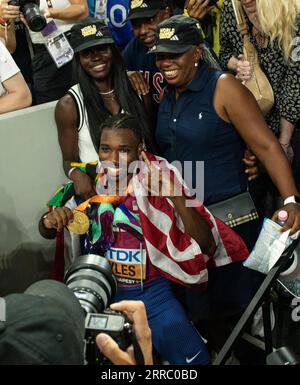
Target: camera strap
{"type": "Point", "coordinates": [138, 354]}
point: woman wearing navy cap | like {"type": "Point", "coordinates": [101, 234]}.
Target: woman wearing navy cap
{"type": "Point", "coordinates": [207, 115]}
{"type": "Point", "coordinates": [103, 89]}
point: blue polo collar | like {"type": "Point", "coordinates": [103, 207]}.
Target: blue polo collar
{"type": "Point", "coordinates": [197, 84]}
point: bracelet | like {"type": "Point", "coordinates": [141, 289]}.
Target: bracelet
{"type": "Point", "coordinates": [5, 23]}
{"type": "Point", "coordinates": [70, 172]}
{"type": "Point", "coordinates": [5, 26]}
{"type": "Point", "coordinates": [44, 231]}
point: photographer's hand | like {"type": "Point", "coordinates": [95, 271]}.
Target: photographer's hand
{"type": "Point", "coordinates": [8, 12]}
{"type": "Point", "coordinates": [136, 313]}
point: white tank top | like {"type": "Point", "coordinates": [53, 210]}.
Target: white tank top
{"type": "Point", "coordinates": [87, 152]}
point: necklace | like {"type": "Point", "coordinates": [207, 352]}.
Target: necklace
{"type": "Point", "coordinates": [107, 93]}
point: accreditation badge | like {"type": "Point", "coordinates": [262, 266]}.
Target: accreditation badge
{"type": "Point", "coordinates": [57, 45]}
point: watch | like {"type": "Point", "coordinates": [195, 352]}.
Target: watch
{"type": "Point", "coordinates": [292, 199]}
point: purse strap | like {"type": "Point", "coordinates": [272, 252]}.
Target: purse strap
{"type": "Point", "coordinates": [242, 27]}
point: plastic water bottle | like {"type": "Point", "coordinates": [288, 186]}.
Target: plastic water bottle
{"type": "Point", "coordinates": [282, 217]}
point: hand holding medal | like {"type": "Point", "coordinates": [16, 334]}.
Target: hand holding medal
{"type": "Point", "coordinates": [58, 218]}
{"type": "Point", "coordinates": [76, 221]}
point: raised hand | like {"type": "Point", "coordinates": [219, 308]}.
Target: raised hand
{"type": "Point", "coordinates": [158, 181]}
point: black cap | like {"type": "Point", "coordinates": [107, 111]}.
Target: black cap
{"type": "Point", "coordinates": [45, 325]}
{"type": "Point", "coordinates": [140, 9]}
{"type": "Point", "coordinates": [89, 33]}
{"type": "Point", "coordinates": [177, 35]}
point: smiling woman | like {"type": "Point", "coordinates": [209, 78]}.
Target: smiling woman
{"type": "Point", "coordinates": [208, 116]}
{"type": "Point", "coordinates": [103, 89]}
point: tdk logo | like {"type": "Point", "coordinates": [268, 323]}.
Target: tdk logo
{"type": "Point", "coordinates": [129, 256]}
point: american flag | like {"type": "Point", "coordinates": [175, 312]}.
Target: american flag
{"type": "Point", "coordinates": [170, 248]}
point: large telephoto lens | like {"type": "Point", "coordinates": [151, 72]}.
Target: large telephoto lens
{"type": "Point", "coordinates": [36, 22]}
{"type": "Point", "coordinates": [91, 279]}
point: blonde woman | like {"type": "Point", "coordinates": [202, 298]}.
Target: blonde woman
{"type": "Point", "coordinates": [278, 20]}
{"type": "Point", "coordinates": [273, 26]}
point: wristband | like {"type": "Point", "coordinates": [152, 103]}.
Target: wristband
{"type": "Point", "coordinates": [70, 172]}
{"type": "Point", "coordinates": [290, 199]}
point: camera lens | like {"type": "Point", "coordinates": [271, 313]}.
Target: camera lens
{"type": "Point", "coordinates": [36, 22]}
{"type": "Point", "coordinates": [91, 279]}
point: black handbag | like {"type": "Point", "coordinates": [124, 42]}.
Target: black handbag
{"type": "Point", "coordinates": [236, 210]}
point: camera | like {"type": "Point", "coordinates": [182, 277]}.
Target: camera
{"type": "Point", "coordinates": [31, 11]}
{"type": "Point", "coordinates": [92, 282]}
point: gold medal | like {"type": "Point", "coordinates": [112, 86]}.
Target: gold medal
{"type": "Point", "coordinates": [80, 223]}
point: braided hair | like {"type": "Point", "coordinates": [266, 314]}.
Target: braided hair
{"type": "Point", "coordinates": [122, 121]}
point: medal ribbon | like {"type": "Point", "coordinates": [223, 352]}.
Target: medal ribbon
{"type": "Point", "coordinates": [98, 199]}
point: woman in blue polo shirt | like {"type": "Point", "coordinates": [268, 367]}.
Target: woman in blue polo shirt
{"type": "Point", "coordinates": [207, 115]}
